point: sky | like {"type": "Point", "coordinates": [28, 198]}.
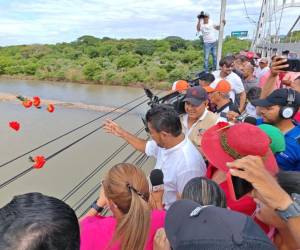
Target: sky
{"type": "Point", "coordinates": [55, 21]}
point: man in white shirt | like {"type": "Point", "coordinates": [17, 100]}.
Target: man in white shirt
{"type": "Point", "coordinates": [237, 86]}
{"type": "Point", "coordinates": [208, 29]}
{"type": "Point", "coordinates": [175, 154]}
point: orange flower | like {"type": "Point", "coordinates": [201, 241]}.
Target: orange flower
{"type": "Point", "coordinates": [27, 103]}
{"type": "Point", "coordinates": [50, 108]}
{"type": "Point", "coordinates": [36, 101]}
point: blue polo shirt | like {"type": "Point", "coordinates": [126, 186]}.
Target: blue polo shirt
{"type": "Point", "coordinates": [289, 160]}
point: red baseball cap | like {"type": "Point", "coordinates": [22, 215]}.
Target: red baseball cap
{"type": "Point", "coordinates": [224, 143]}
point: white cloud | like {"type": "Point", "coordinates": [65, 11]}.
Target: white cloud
{"type": "Point", "coordinates": [50, 21]}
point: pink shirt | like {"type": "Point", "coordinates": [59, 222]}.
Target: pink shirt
{"type": "Point", "coordinates": [264, 79]}
{"type": "Point", "coordinates": [96, 232]}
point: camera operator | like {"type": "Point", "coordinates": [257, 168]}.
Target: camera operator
{"type": "Point", "coordinates": [206, 26]}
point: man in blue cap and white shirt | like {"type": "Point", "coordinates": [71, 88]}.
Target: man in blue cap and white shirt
{"type": "Point", "coordinates": [278, 109]}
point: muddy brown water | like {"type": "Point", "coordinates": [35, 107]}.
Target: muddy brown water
{"type": "Point", "coordinates": [76, 104]}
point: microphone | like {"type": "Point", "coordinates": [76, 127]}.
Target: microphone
{"type": "Point", "coordinates": [251, 120]}
{"type": "Point", "coordinates": [157, 180]}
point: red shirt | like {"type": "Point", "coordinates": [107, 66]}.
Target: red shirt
{"type": "Point", "coordinates": [245, 205]}
{"type": "Point", "coordinates": [297, 117]}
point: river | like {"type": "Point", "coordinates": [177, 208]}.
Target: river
{"type": "Point", "coordinates": [75, 104]}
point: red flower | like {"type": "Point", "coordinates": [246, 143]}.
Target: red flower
{"type": "Point", "coordinates": [50, 108]}
{"type": "Point", "coordinates": [14, 125]}
{"type": "Point", "coordinates": [27, 103]}
{"type": "Point", "coordinates": [39, 161]}
{"type": "Point", "coordinates": [223, 125]}
{"type": "Point", "coordinates": [36, 101]}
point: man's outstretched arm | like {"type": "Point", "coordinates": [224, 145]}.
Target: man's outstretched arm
{"type": "Point", "coordinates": [113, 128]}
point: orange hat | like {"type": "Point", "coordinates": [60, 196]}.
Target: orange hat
{"type": "Point", "coordinates": [180, 85]}
{"type": "Point", "coordinates": [222, 86]}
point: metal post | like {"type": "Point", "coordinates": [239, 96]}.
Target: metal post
{"type": "Point", "coordinates": [221, 32]}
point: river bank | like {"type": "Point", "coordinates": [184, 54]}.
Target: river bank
{"type": "Point", "coordinates": [157, 86]}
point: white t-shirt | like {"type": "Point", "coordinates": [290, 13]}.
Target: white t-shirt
{"type": "Point", "coordinates": [208, 32]}
{"type": "Point", "coordinates": [235, 81]}
{"type": "Point", "coordinates": [178, 164]}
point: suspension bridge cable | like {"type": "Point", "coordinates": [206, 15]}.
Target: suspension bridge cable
{"type": "Point", "coordinates": [247, 15]}
{"type": "Point", "coordinates": [4, 184]}
{"type": "Point", "coordinates": [96, 170]}
{"type": "Point", "coordinates": [91, 194]}
{"type": "Point", "coordinates": [69, 132]}
{"type": "Point", "coordinates": [94, 188]}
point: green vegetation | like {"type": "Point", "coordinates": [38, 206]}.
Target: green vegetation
{"type": "Point", "coordinates": [154, 63]}
{"type": "Point", "coordinates": [293, 37]}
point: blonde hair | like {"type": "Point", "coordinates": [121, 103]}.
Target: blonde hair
{"type": "Point", "coordinates": [127, 186]}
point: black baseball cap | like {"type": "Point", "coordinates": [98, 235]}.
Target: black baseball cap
{"type": "Point", "coordinates": [279, 97]}
{"type": "Point", "coordinates": [191, 226]}
{"type": "Point", "coordinates": [195, 95]}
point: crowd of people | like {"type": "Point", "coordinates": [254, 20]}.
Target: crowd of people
{"type": "Point", "coordinates": [228, 182]}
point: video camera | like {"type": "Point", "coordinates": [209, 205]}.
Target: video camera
{"type": "Point", "coordinates": [174, 99]}
{"type": "Point", "coordinates": [201, 15]}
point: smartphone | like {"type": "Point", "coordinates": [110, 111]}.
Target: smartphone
{"type": "Point", "coordinates": [294, 65]}
{"type": "Point", "coordinates": [238, 187]}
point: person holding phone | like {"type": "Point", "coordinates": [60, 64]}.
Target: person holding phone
{"type": "Point", "coordinates": [279, 202]}
{"type": "Point", "coordinates": [224, 143]}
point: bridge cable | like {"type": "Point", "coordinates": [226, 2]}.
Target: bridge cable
{"type": "Point", "coordinates": [7, 182]}
{"type": "Point", "coordinates": [96, 188]}
{"type": "Point", "coordinates": [97, 169]}
{"type": "Point", "coordinates": [69, 132]}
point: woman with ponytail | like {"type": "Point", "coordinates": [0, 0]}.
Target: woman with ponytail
{"type": "Point", "coordinates": [125, 191]}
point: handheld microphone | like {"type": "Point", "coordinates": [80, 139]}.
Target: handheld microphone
{"type": "Point", "coordinates": [157, 180]}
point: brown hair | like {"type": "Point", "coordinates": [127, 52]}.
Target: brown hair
{"type": "Point", "coordinates": [127, 186]}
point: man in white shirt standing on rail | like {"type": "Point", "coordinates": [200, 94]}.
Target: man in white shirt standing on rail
{"type": "Point", "coordinates": [208, 30]}
{"type": "Point", "coordinates": [175, 154]}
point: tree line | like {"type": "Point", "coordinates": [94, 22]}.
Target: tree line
{"type": "Point", "coordinates": [154, 63]}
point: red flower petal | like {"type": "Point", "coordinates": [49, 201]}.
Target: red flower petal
{"type": "Point", "coordinates": [50, 108]}
{"type": "Point", "coordinates": [14, 125]}
{"type": "Point", "coordinates": [36, 101]}
{"type": "Point", "coordinates": [39, 161]}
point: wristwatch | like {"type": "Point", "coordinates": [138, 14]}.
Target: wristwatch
{"type": "Point", "coordinates": [293, 210]}
{"type": "Point", "coordinates": [96, 207]}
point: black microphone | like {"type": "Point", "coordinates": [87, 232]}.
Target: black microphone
{"type": "Point", "coordinates": [251, 120]}
{"type": "Point", "coordinates": [157, 180]}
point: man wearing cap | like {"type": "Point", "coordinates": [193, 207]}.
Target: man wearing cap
{"type": "Point", "coordinates": [175, 154]}
{"type": "Point", "coordinates": [219, 96]}
{"type": "Point", "coordinates": [197, 118]}
{"type": "Point", "coordinates": [278, 109]}
{"type": "Point", "coordinates": [262, 68]}
{"type": "Point", "coordinates": [237, 86]}
{"type": "Point", "coordinates": [206, 26]}
{"type": "Point", "coordinates": [180, 86]}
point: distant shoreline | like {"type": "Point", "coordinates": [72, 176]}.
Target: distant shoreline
{"type": "Point", "coordinates": [9, 97]}
{"type": "Point", "coordinates": [162, 86]}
